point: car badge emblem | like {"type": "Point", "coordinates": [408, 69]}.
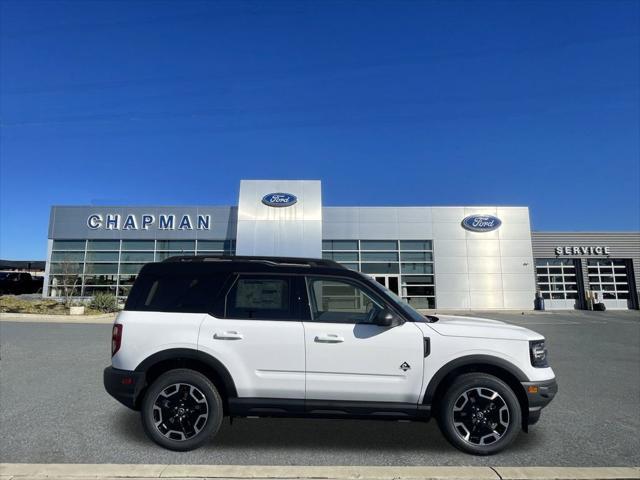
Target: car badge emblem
{"type": "Point", "coordinates": [405, 366]}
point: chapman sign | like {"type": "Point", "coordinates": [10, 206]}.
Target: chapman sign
{"type": "Point", "coordinates": [147, 221]}
{"type": "Point", "coordinates": [584, 250]}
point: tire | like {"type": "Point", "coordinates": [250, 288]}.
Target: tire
{"type": "Point", "coordinates": [181, 410]}
{"type": "Point", "coordinates": [469, 421]}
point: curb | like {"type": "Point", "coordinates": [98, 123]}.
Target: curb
{"type": "Point", "coordinates": [25, 471]}
{"type": "Point", "coordinates": [39, 318]}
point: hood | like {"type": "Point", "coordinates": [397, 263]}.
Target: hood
{"type": "Point", "coordinates": [454, 326]}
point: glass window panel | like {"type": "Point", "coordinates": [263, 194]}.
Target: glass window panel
{"type": "Point", "coordinates": [100, 279]}
{"type": "Point", "coordinates": [417, 256]}
{"type": "Point", "coordinates": [91, 291]}
{"type": "Point", "coordinates": [176, 245]}
{"type": "Point", "coordinates": [103, 245]}
{"type": "Point", "coordinates": [546, 295]}
{"type": "Point", "coordinates": [556, 279]}
{"type": "Point", "coordinates": [416, 245]}
{"type": "Point", "coordinates": [341, 256]}
{"type": "Point", "coordinates": [623, 295]}
{"type": "Point", "coordinates": [543, 279]}
{"type": "Point", "coordinates": [130, 267]}
{"type": "Point", "coordinates": [609, 295]}
{"type": "Point", "coordinates": [545, 287]}
{"type": "Point", "coordinates": [378, 245]}
{"type": "Point", "coordinates": [127, 279]}
{"type": "Point", "coordinates": [66, 268]}
{"type": "Point", "coordinates": [417, 268]}
{"type": "Point", "coordinates": [68, 244]}
{"type": "Point", "coordinates": [92, 268]}
{"type": "Point", "coordinates": [621, 278]}
{"type": "Point", "coordinates": [422, 302]}
{"type": "Point", "coordinates": [379, 256]}
{"type": "Point", "coordinates": [541, 262]}
{"type": "Point", "coordinates": [137, 245]}
{"type": "Point", "coordinates": [607, 287]}
{"type": "Point", "coordinates": [215, 244]}
{"type": "Point", "coordinates": [136, 257]}
{"type": "Point", "coordinates": [555, 271]}
{"type": "Point", "coordinates": [67, 256]}
{"type": "Point", "coordinates": [102, 256]}
{"type": "Point", "coordinates": [593, 278]}
{"type": "Point", "coordinates": [164, 255]}
{"type": "Point", "coordinates": [595, 286]}
{"type": "Point", "coordinates": [340, 245]}
{"type": "Point", "coordinates": [379, 268]}
{"type": "Point", "coordinates": [419, 291]}
{"type": "Point", "coordinates": [557, 296]}
{"type": "Point", "coordinates": [124, 291]}
{"type": "Point", "coordinates": [417, 279]}
{"type": "Point", "coordinates": [572, 295]}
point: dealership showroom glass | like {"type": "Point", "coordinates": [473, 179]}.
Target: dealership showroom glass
{"type": "Point", "coordinates": [459, 257]}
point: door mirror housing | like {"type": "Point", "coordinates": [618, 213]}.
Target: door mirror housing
{"type": "Point", "coordinates": [388, 318]}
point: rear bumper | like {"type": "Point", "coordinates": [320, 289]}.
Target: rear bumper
{"type": "Point", "coordinates": [124, 385]}
{"type": "Point", "coordinates": [539, 394]}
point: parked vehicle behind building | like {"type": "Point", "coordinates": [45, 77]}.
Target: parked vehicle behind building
{"type": "Point", "coordinates": [17, 283]}
{"type": "Point", "coordinates": [202, 338]}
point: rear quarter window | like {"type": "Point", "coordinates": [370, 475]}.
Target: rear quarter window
{"type": "Point", "coordinates": [175, 293]}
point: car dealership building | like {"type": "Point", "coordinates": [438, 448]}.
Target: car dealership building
{"type": "Point", "coordinates": [464, 257]}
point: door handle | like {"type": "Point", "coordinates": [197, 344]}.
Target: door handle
{"type": "Point", "coordinates": [329, 338]}
{"type": "Point", "coordinates": [228, 336]}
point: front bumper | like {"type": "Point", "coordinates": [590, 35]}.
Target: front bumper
{"type": "Point", "coordinates": [539, 394]}
{"type": "Point", "coordinates": [124, 385]}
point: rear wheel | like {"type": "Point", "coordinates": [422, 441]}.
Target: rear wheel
{"type": "Point", "coordinates": [480, 414]}
{"type": "Point", "coordinates": [181, 410]}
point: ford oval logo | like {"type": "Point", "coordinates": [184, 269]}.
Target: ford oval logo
{"type": "Point", "coordinates": [481, 223]}
{"type": "Point", "coordinates": [279, 199]}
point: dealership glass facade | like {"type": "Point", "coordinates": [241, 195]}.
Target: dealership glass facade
{"type": "Point", "coordinates": [405, 267]}
{"type": "Point", "coordinates": [87, 267]}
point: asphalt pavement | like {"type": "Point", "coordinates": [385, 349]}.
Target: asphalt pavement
{"type": "Point", "coordinates": [53, 407]}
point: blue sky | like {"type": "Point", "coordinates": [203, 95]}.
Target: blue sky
{"type": "Point", "coordinates": [388, 103]}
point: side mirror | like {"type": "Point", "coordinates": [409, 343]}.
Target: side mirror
{"type": "Point", "coordinates": [387, 318]}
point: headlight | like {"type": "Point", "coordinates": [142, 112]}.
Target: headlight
{"type": "Point", "coordinates": [538, 353]}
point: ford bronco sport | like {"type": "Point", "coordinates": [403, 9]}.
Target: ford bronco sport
{"type": "Point", "coordinates": [202, 338]}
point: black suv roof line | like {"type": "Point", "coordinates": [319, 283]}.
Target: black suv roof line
{"type": "Point", "coordinates": [274, 261]}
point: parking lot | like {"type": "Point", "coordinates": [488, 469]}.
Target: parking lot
{"type": "Point", "coordinates": [53, 407]}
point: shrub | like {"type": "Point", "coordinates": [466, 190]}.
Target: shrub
{"type": "Point", "coordinates": [104, 302]}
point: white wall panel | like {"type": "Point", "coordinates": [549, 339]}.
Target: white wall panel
{"type": "Point", "coordinates": [449, 248]}
{"type": "Point", "coordinates": [517, 282]}
{"type": "Point", "coordinates": [452, 282]}
{"type": "Point", "coordinates": [485, 282]}
{"type": "Point", "coordinates": [486, 300]}
{"type": "Point", "coordinates": [483, 248]}
{"type": "Point", "coordinates": [516, 248]}
{"type": "Point", "coordinates": [484, 265]}
{"type": "Point", "coordinates": [452, 265]}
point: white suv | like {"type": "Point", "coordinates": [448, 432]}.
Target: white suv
{"type": "Point", "coordinates": [206, 337]}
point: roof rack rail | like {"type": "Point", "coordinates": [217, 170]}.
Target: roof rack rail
{"type": "Point", "coordinates": [275, 261]}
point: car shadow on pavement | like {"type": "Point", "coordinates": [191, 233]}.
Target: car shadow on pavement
{"type": "Point", "coordinates": [327, 435]}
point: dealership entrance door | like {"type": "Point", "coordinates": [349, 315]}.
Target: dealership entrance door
{"type": "Point", "coordinates": [392, 282]}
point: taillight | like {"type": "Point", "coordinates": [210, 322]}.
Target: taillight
{"type": "Point", "coordinates": [116, 338]}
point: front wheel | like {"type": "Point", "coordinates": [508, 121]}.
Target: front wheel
{"type": "Point", "coordinates": [181, 410]}
{"type": "Point", "coordinates": [480, 414]}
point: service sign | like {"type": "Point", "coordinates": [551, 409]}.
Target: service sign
{"type": "Point", "coordinates": [279, 199]}
{"type": "Point", "coordinates": [481, 223]}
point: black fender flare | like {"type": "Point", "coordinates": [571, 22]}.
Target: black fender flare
{"type": "Point", "coordinates": [187, 353]}
{"type": "Point", "coordinates": [466, 361]}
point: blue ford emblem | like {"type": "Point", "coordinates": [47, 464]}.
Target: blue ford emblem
{"type": "Point", "coordinates": [481, 223]}
{"type": "Point", "coordinates": [279, 199]}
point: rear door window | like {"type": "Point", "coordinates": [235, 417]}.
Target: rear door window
{"type": "Point", "coordinates": [261, 298]}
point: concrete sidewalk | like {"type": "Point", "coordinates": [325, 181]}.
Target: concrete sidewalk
{"type": "Point", "coordinates": [24, 471]}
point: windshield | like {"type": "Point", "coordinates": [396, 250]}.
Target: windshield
{"type": "Point", "coordinates": [399, 302]}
